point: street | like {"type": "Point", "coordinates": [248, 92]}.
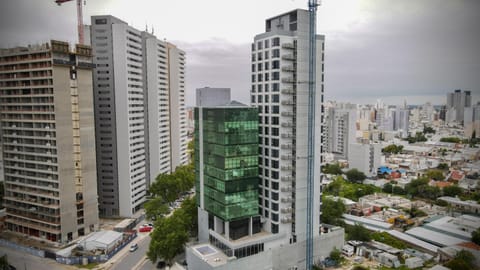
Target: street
{"type": "Point", "coordinates": [22, 261]}
{"type": "Point", "coordinates": [131, 260]}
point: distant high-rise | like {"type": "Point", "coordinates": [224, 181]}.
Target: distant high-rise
{"type": "Point", "coordinates": [47, 129]}
{"type": "Point", "coordinates": [365, 157]}
{"type": "Point", "coordinates": [401, 121]}
{"type": "Point", "coordinates": [140, 117]}
{"type": "Point", "coordinates": [340, 131]}
{"type": "Point", "coordinates": [208, 96]}
{"type": "Point", "coordinates": [457, 102]}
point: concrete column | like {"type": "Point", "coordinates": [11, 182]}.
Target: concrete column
{"type": "Point", "coordinates": [250, 226]}
{"type": "Point", "coordinates": [227, 230]}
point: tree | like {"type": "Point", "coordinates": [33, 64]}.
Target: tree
{"type": "Point", "coordinates": [462, 261]}
{"type": "Point", "coordinates": [427, 129]}
{"type": "Point", "coordinates": [451, 139]}
{"type": "Point", "coordinates": [155, 208]}
{"type": "Point", "coordinates": [435, 174]}
{"type": "Point", "coordinates": [393, 149]}
{"type": "Point", "coordinates": [332, 211]}
{"type": "Point", "coordinates": [336, 255]}
{"type": "Point", "coordinates": [417, 186]}
{"type": "Point", "coordinates": [355, 175]}
{"type": "Point", "coordinates": [4, 265]}
{"type": "Point", "coordinates": [452, 191]}
{"type": "Point", "coordinates": [443, 166]}
{"type": "Point", "coordinates": [387, 188]}
{"type": "Point", "coordinates": [168, 239]}
{"type": "Point", "coordinates": [358, 232]}
{"type": "Point", "coordinates": [359, 267]}
{"type": "Point", "coordinates": [476, 236]}
{"type": "Point", "coordinates": [332, 169]}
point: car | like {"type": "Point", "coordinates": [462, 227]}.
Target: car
{"type": "Point", "coordinates": [133, 247]}
{"type": "Point", "coordinates": [145, 229]}
{"type": "Point", "coordinates": [161, 264]}
{"type": "Point", "coordinates": [150, 224]}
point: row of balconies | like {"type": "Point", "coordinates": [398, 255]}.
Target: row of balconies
{"type": "Point", "coordinates": [288, 91]}
{"type": "Point", "coordinates": [34, 225]}
{"type": "Point", "coordinates": [286, 178]}
{"type": "Point", "coordinates": [49, 203]}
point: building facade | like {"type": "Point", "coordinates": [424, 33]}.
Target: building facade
{"type": "Point", "coordinates": [208, 96]}
{"type": "Point", "coordinates": [47, 129]}
{"type": "Point", "coordinates": [140, 118]}
{"type": "Point", "coordinates": [226, 171]}
{"type": "Point", "coordinates": [365, 157]}
{"type": "Point", "coordinates": [457, 102]}
{"type": "Point", "coordinates": [280, 92]}
{"type": "Point", "coordinates": [340, 131]}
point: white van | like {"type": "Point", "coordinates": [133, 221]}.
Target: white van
{"type": "Point", "coordinates": [347, 250]}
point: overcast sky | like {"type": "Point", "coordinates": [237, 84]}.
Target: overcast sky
{"type": "Point", "coordinates": [392, 50]}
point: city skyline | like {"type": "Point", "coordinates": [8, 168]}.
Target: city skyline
{"type": "Point", "coordinates": [411, 50]}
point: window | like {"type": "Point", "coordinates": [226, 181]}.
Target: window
{"type": "Point", "coordinates": [253, 88]}
{"type": "Point", "coordinates": [266, 119]}
{"type": "Point", "coordinates": [276, 75]}
{"type": "Point", "coordinates": [259, 88]}
{"type": "Point", "coordinates": [274, 163]}
{"type": "Point", "coordinates": [259, 45]}
{"type": "Point", "coordinates": [276, 42]}
{"type": "Point", "coordinates": [260, 99]}
{"type": "Point", "coordinates": [275, 53]}
{"type": "Point", "coordinates": [275, 132]}
{"type": "Point", "coordinates": [253, 57]}
{"type": "Point", "coordinates": [266, 109]}
{"type": "Point", "coordinates": [101, 21]}
{"type": "Point", "coordinates": [266, 101]}
{"type": "Point", "coordinates": [275, 87]}
{"type": "Point", "coordinates": [266, 88]}
{"type": "Point", "coordinates": [274, 228]}
{"type": "Point", "coordinates": [267, 77]}
{"type": "Point", "coordinates": [259, 56]}
{"type": "Point", "coordinates": [253, 47]}
{"type": "Point", "coordinates": [275, 174]}
{"type": "Point", "coordinates": [267, 65]}
{"type": "Point", "coordinates": [253, 99]}
{"type": "Point", "coordinates": [260, 77]}
{"type": "Point", "coordinates": [275, 109]}
{"type": "Point", "coordinates": [275, 151]}
{"type": "Point", "coordinates": [259, 66]}
{"type": "Point", "coordinates": [266, 54]}
{"type": "Point", "coordinates": [276, 64]}
{"type": "Point", "coordinates": [253, 77]}
{"type": "Point", "coordinates": [275, 217]}
{"type": "Point", "coordinates": [275, 98]}
{"type": "Point", "coordinates": [253, 67]}
{"type": "Point", "coordinates": [267, 43]}
{"type": "Point", "coordinates": [275, 142]}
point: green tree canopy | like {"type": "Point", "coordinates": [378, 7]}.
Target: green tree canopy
{"type": "Point", "coordinates": [358, 232]}
{"type": "Point", "coordinates": [355, 175]}
{"type": "Point", "coordinates": [476, 236]}
{"type": "Point", "coordinates": [462, 261]}
{"type": "Point", "coordinates": [451, 139]}
{"type": "Point", "coordinates": [171, 233]}
{"type": "Point", "coordinates": [393, 149]}
{"type": "Point", "coordinates": [452, 191]}
{"type": "Point", "coordinates": [435, 174]}
{"type": "Point", "coordinates": [4, 265]}
{"type": "Point", "coordinates": [427, 129]}
{"type": "Point", "coordinates": [443, 166]}
{"type": "Point", "coordinates": [332, 211]}
{"type": "Point", "coordinates": [332, 168]}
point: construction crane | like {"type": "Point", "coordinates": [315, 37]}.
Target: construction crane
{"type": "Point", "coordinates": [312, 52]}
{"type": "Point", "coordinates": [81, 34]}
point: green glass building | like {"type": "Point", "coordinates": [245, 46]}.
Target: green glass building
{"type": "Point", "coordinates": [226, 167]}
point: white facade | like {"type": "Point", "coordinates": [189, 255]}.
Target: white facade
{"type": "Point", "coordinates": [208, 96]}
{"type": "Point", "coordinates": [140, 112]}
{"type": "Point", "coordinates": [340, 129]}
{"type": "Point", "coordinates": [459, 100]}
{"type": "Point", "coordinates": [365, 158]}
{"type": "Point", "coordinates": [280, 91]}
{"type": "Point", "coordinates": [178, 112]}
{"type": "Point", "coordinates": [401, 118]}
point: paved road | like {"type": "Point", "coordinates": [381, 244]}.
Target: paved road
{"type": "Point", "coordinates": [25, 261]}
{"type": "Point", "coordinates": [132, 259]}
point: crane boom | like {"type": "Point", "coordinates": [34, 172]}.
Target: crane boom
{"type": "Point", "coordinates": [81, 32]}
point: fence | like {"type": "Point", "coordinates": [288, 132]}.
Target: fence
{"type": "Point", "coordinates": [30, 250]}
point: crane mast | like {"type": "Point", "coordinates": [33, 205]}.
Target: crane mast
{"type": "Point", "coordinates": [81, 32]}
{"type": "Point", "coordinates": [312, 52]}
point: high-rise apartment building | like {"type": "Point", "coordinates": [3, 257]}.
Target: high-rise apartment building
{"type": "Point", "coordinates": [340, 131]}
{"type": "Point", "coordinates": [140, 112]}
{"type": "Point", "coordinates": [274, 237]}
{"type": "Point", "coordinates": [47, 129]}
{"type": "Point", "coordinates": [365, 157]}
{"type": "Point", "coordinates": [457, 102]}
{"type": "Point", "coordinates": [401, 121]}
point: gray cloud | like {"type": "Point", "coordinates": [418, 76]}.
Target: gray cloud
{"type": "Point", "coordinates": [407, 48]}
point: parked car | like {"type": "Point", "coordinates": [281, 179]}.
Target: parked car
{"type": "Point", "coordinates": [161, 264]}
{"type": "Point", "coordinates": [145, 229]}
{"type": "Point", "coordinates": [133, 247]}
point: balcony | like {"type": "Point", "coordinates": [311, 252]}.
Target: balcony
{"type": "Point", "coordinates": [287, 219]}
{"type": "Point", "coordinates": [288, 80]}
{"type": "Point", "coordinates": [286, 146]}
{"type": "Point", "coordinates": [287, 124]}
{"type": "Point", "coordinates": [286, 189]}
{"type": "Point", "coordinates": [288, 68]}
{"type": "Point", "coordinates": [287, 157]}
{"type": "Point", "coordinates": [287, 113]}
{"type": "Point", "coordinates": [286, 168]}
{"type": "Point", "coordinates": [287, 136]}
{"type": "Point", "coordinates": [289, 57]}
{"type": "Point", "coordinates": [289, 46]}
{"type": "Point", "coordinates": [286, 178]}
{"type": "Point", "coordinates": [288, 91]}
{"type": "Point", "coordinates": [286, 210]}
{"type": "Point", "coordinates": [286, 200]}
